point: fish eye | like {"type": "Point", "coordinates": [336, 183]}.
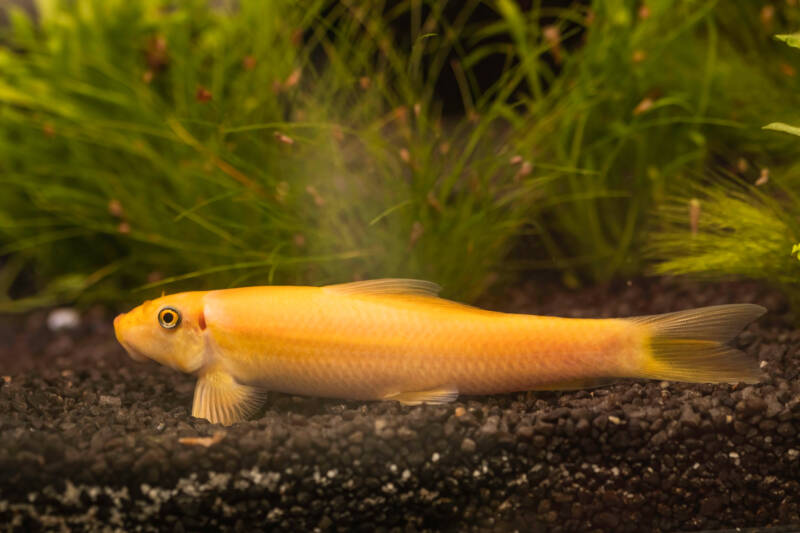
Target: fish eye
{"type": "Point", "coordinates": [169, 317]}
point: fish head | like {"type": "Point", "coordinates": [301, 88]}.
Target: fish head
{"type": "Point", "coordinates": [170, 330]}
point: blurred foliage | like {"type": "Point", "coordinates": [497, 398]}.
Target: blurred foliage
{"type": "Point", "coordinates": [170, 146]}
{"type": "Point", "coordinates": [648, 100]}
{"type": "Point", "coordinates": [267, 143]}
{"type": "Point", "coordinates": [739, 229]}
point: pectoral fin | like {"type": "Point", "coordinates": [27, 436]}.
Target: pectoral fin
{"type": "Point", "coordinates": [440, 395]}
{"type": "Point", "coordinates": [221, 400]}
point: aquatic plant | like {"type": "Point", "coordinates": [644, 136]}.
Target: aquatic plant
{"type": "Point", "coordinates": [164, 147]}
{"type": "Point", "coordinates": [148, 143]}
{"type": "Point", "coordinates": [738, 228]}
{"type": "Point", "coordinates": [648, 95]}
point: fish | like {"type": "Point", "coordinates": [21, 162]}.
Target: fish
{"type": "Point", "coordinates": [396, 339]}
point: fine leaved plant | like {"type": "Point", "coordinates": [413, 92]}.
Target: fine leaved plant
{"type": "Point", "coordinates": [739, 228]}
{"type": "Point", "coordinates": [154, 146]}
{"type": "Point", "coordinates": [149, 146]}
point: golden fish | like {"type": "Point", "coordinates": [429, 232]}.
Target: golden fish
{"type": "Point", "coordinates": [394, 339]}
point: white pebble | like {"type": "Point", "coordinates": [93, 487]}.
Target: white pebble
{"type": "Point", "coordinates": [63, 318]}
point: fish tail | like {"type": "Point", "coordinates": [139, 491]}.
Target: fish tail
{"type": "Point", "coordinates": [689, 345]}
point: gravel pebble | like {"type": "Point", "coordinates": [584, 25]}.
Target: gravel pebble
{"type": "Point", "coordinates": [468, 446]}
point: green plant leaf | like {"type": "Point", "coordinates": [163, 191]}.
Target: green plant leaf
{"type": "Point", "coordinates": [792, 39]}
{"type": "Point", "coordinates": [780, 126]}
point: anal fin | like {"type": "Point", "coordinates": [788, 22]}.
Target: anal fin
{"type": "Point", "coordinates": [434, 396]}
{"type": "Point", "coordinates": [577, 384]}
{"type": "Point", "coordinates": [220, 399]}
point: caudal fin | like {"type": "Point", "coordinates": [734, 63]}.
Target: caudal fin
{"type": "Point", "coordinates": [688, 345]}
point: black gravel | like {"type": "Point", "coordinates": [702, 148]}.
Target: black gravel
{"type": "Point", "coordinates": [90, 440]}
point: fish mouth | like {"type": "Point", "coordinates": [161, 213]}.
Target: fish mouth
{"type": "Point", "coordinates": [133, 353]}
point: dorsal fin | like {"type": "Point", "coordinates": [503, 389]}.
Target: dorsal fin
{"type": "Point", "coordinates": [404, 292]}
{"type": "Point", "coordinates": [415, 287]}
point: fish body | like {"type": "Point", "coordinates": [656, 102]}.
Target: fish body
{"type": "Point", "coordinates": [394, 339]}
{"type": "Point", "coordinates": [308, 340]}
